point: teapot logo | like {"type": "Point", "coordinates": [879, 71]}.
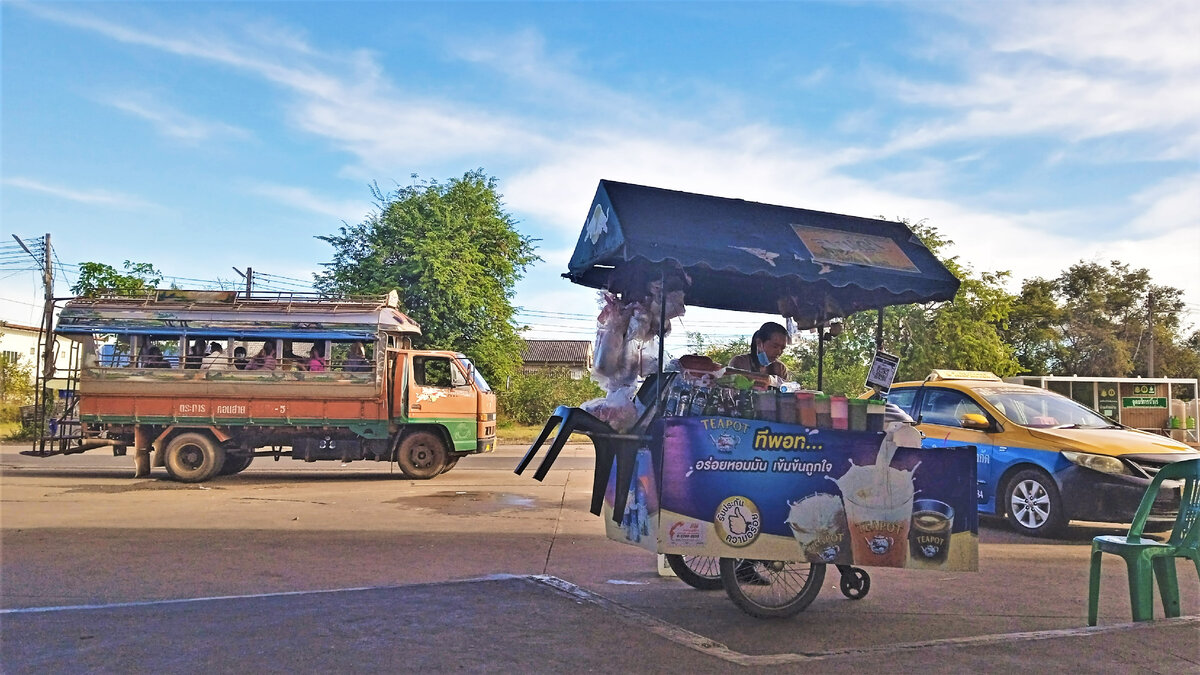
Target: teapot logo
{"type": "Point", "coordinates": [930, 550]}
{"type": "Point", "coordinates": [737, 521]}
{"type": "Point", "coordinates": [879, 544]}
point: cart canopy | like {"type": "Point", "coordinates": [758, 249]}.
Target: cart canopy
{"type": "Point", "coordinates": [811, 266]}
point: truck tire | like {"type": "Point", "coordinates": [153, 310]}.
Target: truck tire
{"type": "Point", "coordinates": [194, 458]}
{"type": "Point", "coordinates": [450, 464]}
{"type": "Point", "coordinates": [235, 463]}
{"type": "Point", "coordinates": [421, 455]}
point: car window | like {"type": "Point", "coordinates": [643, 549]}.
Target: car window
{"type": "Point", "coordinates": [903, 398]}
{"type": "Point", "coordinates": [1039, 408]}
{"type": "Point", "coordinates": [947, 407]}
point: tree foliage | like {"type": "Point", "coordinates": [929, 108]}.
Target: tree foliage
{"type": "Point", "coordinates": [96, 278]}
{"type": "Point", "coordinates": [1094, 320]}
{"type": "Point", "coordinates": [454, 255]}
{"type": "Point", "coordinates": [532, 397]}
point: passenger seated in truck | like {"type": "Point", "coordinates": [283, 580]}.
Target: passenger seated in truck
{"type": "Point", "coordinates": [357, 362]}
{"type": "Point", "coordinates": [315, 362]}
{"type": "Point", "coordinates": [153, 358]}
{"type": "Point", "coordinates": [265, 359]}
{"type": "Point", "coordinates": [215, 360]}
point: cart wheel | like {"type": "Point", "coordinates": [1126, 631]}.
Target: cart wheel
{"type": "Point", "coordinates": [702, 572]}
{"type": "Point", "coordinates": [856, 583]}
{"type": "Point", "coordinates": [771, 589]}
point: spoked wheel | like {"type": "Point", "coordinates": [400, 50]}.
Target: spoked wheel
{"type": "Point", "coordinates": [771, 589]}
{"type": "Point", "coordinates": [855, 582]}
{"type": "Point", "coordinates": [698, 571]}
{"type": "Point", "coordinates": [1034, 506]}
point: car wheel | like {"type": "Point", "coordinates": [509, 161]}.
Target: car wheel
{"type": "Point", "coordinates": [194, 458]}
{"type": "Point", "coordinates": [1033, 505]}
{"type": "Point", "coordinates": [421, 455]}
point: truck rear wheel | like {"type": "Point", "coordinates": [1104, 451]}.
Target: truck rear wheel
{"type": "Point", "coordinates": [194, 458]}
{"type": "Point", "coordinates": [421, 455]}
{"type": "Point", "coordinates": [236, 463]}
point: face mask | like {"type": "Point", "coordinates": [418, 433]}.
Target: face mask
{"type": "Point", "coordinates": [762, 359]}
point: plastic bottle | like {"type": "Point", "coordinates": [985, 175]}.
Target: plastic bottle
{"type": "Point", "coordinates": [699, 400]}
{"type": "Point", "coordinates": [840, 412]}
{"type": "Point", "coordinates": [806, 410]}
{"type": "Point", "coordinates": [764, 406]}
{"type": "Point", "coordinates": [785, 403]}
{"type": "Point", "coordinates": [875, 411]}
{"type": "Point", "coordinates": [858, 414]}
{"type": "Point", "coordinates": [822, 404]}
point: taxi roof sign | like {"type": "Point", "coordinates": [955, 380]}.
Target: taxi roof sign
{"type": "Point", "coordinates": [962, 375]}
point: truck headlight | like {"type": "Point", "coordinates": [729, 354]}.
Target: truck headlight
{"type": "Point", "coordinates": [1101, 463]}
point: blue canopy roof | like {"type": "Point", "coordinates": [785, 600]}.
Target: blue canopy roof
{"type": "Point", "coordinates": [747, 256]}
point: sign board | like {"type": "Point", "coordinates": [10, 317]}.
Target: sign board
{"type": "Point", "coordinates": [1144, 402]}
{"type": "Point", "coordinates": [883, 371]}
{"type": "Point", "coordinates": [1109, 402]}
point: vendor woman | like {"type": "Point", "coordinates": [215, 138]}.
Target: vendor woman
{"type": "Point", "coordinates": [766, 345]}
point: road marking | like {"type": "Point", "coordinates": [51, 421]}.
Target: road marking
{"type": "Point", "coordinates": [687, 638]}
{"type": "Point", "coordinates": [251, 596]}
{"type": "Point", "coordinates": [665, 629]}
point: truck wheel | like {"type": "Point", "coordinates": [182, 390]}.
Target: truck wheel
{"type": "Point", "coordinates": [194, 458]}
{"type": "Point", "coordinates": [421, 455]}
{"type": "Point", "coordinates": [1032, 505]}
{"type": "Point", "coordinates": [235, 463]}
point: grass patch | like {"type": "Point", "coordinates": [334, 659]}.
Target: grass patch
{"type": "Point", "coordinates": [523, 434]}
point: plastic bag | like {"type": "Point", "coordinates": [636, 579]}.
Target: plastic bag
{"type": "Point", "coordinates": [616, 409]}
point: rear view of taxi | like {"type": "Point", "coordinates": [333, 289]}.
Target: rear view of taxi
{"type": "Point", "coordinates": [1043, 459]}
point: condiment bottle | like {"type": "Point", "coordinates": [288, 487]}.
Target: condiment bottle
{"type": "Point", "coordinates": [823, 406]}
{"type": "Point", "coordinates": [840, 412]}
{"type": "Point", "coordinates": [764, 406]}
{"type": "Point", "coordinates": [858, 414]}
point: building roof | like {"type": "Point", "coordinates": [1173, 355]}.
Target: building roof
{"type": "Point", "coordinates": [7, 325]}
{"type": "Point", "coordinates": [557, 351]}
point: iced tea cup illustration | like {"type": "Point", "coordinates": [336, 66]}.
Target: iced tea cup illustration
{"type": "Point", "coordinates": [818, 522]}
{"type": "Point", "coordinates": [932, 523]}
{"type": "Point", "coordinates": [879, 509]}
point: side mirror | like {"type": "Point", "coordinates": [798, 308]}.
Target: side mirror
{"type": "Point", "coordinates": [975, 421]}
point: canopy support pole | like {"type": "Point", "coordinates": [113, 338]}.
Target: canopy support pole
{"type": "Point", "coordinates": [879, 331]}
{"type": "Point", "coordinates": [821, 336]}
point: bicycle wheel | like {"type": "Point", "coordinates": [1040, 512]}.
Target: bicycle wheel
{"type": "Point", "coordinates": [771, 589]}
{"type": "Point", "coordinates": [698, 571]}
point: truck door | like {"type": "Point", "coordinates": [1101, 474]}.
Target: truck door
{"type": "Point", "coordinates": [439, 393]}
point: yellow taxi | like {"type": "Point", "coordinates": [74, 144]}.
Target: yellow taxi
{"type": "Point", "coordinates": [1043, 459]}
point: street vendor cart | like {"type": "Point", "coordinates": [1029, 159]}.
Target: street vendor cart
{"type": "Point", "coordinates": [713, 464]}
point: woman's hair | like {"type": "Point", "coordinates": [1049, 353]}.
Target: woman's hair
{"type": "Point", "coordinates": [765, 332]}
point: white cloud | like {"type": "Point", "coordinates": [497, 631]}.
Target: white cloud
{"type": "Point", "coordinates": [351, 211]}
{"type": "Point", "coordinates": [171, 122]}
{"type": "Point", "coordinates": [93, 197]}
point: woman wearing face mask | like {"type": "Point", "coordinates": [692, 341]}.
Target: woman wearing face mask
{"type": "Point", "coordinates": [766, 345]}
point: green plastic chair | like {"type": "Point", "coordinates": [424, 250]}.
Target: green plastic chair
{"type": "Point", "coordinates": [1146, 558]}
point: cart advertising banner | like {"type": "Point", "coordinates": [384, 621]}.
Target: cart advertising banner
{"type": "Point", "coordinates": [761, 490]}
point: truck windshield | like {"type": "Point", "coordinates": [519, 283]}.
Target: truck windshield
{"type": "Point", "coordinates": [470, 368]}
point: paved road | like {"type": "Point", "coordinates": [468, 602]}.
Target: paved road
{"type": "Point", "coordinates": [78, 532]}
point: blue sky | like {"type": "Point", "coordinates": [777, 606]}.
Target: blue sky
{"type": "Point", "coordinates": [205, 136]}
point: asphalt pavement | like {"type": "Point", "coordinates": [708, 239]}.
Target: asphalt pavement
{"type": "Point", "coordinates": [314, 567]}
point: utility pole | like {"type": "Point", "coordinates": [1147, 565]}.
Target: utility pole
{"type": "Point", "coordinates": [48, 309]}
{"type": "Point", "coordinates": [249, 277]}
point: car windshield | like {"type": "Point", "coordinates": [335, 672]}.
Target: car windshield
{"type": "Point", "coordinates": [1042, 409]}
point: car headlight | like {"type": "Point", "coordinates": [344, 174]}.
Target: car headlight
{"type": "Point", "coordinates": [1101, 463]}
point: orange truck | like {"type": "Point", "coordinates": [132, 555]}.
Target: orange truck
{"type": "Point", "coordinates": [202, 382]}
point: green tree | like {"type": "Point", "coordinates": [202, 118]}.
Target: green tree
{"type": "Point", "coordinates": [454, 255]}
{"type": "Point", "coordinates": [1095, 320]}
{"type": "Point", "coordinates": [532, 397]}
{"type": "Point", "coordinates": [96, 278]}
